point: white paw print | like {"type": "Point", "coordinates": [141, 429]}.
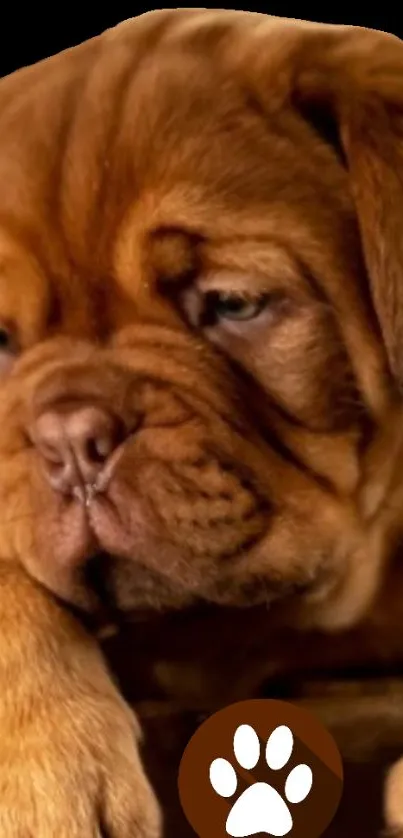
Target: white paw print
{"type": "Point", "coordinates": [261, 808]}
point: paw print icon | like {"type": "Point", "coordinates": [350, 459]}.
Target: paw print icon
{"type": "Point", "coordinates": [261, 767]}
{"type": "Point", "coordinates": [261, 808]}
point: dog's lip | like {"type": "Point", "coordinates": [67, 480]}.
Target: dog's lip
{"type": "Point", "coordinates": [93, 504]}
{"type": "Point", "coordinates": [79, 573]}
{"type": "Point", "coordinates": [96, 576]}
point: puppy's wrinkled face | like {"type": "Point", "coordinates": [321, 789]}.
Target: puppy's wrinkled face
{"type": "Point", "coordinates": [183, 400]}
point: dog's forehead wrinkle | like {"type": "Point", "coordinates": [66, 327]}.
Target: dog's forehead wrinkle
{"type": "Point", "coordinates": [246, 158]}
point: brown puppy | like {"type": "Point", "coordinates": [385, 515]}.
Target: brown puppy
{"type": "Point", "coordinates": [202, 357]}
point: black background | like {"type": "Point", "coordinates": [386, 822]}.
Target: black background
{"type": "Point", "coordinates": [41, 30]}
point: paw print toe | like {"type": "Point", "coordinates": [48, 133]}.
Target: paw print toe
{"type": "Point", "coordinates": [246, 747]}
{"type": "Point", "coordinates": [223, 778]}
{"type": "Point", "coordinates": [279, 747]}
{"type": "Point", "coordinates": [298, 784]}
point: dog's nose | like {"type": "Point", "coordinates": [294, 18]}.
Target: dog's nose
{"type": "Point", "coordinates": [75, 446]}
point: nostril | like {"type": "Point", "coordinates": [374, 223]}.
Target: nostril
{"type": "Point", "coordinates": [51, 454]}
{"type": "Point", "coordinates": [76, 444]}
{"type": "Point", "coordinates": [62, 476]}
{"type": "Point", "coordinates": [98, 449]}
{"type": "Point", "coordinates": [48, 436]}
{"type": "Point", "coordinates": [103, 441]}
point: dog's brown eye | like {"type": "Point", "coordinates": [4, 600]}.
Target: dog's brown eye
{"type": "Point", "coordinates": [221, 305]}
{"type": "Point", "coordinates": [5, 339]}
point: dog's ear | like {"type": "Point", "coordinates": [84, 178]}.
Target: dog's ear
{"type": "Point", "coordinates": [349, 81]}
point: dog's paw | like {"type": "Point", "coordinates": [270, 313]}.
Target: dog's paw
{"type": "Point", "coordinates": [74, 772]}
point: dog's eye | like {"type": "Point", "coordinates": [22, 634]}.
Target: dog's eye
{"type": "Point", "coordinates": [8, 348]}
{"type": "Point", "coordinates": [5, 339]}
{"type": "Point", "coordinates": [221, 305]}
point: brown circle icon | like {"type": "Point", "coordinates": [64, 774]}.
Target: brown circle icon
{"type": "Point", "coordinates": [261, 767]}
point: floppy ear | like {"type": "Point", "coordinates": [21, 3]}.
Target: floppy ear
{"type": "Point", "coordinates": [353, 79]}
{"type": "Point", "coordinates": [372, 136]}
{"type": "Point", "coordinates": [359, 79]}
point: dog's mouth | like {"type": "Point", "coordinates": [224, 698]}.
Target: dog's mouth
{"type": "Point", "coordinates": [118, 551]}
{"type": "Point", "coordinates": [97, 569]}
{"type": "Point", "coordinates": [112, 569]}
{"type": "Point", "coordinates": [103, 616]}
{"type": "Point", "coordinates": [76, 565]}
{"type": "Point", "coordinates": [96, 604]}
{"type": "Point", "coordinates": [96, 577]}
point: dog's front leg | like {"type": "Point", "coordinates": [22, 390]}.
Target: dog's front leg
{"type": "Point", "coordinates": [69, 758]}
